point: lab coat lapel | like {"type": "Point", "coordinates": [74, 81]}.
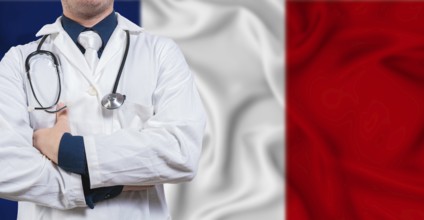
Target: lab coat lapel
{"type": "Point", "coordinates": [67, 48]}
{"type": "Point", "coordinates": [115, 44]}
{"type": "Point", "coordinates": [73, 55]}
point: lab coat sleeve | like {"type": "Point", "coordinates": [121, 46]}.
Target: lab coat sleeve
{"type": "Point", "coordinates": [25, 174]}
{"type": "Point", "coordinates": [168, 147]}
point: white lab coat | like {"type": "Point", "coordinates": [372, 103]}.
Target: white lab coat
{"type": "Point", "coordinates": [154, 138]}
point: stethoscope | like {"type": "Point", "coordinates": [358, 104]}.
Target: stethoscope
{"type": "Point", "coordinates": [110, 101]}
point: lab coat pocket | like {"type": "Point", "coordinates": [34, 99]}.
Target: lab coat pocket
{"type": "Point", "coordinates": [133, 115]}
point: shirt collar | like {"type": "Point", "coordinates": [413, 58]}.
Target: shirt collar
{"type": "Point", "coordinates": [123, 24]}
{"type": "Point", "coordinates": [104, 28]}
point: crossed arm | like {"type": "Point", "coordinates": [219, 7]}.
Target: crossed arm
{"type": "Point", "coordinates": [166, 150]}
{"type": "Point", "coordinates": [47, 141]}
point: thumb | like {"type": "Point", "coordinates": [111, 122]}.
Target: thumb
{"type": "Point", "coordinates": [63, 114]}
{"type": "Point", "coordinates": [62, 123]}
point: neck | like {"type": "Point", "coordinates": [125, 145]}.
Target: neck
{"type": "Point", "coordinates": [88, 21]}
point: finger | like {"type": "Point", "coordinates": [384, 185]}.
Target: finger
{"type": "Point", "coordinates": [35, 138]}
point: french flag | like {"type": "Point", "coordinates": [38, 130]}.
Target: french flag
{"type": "Point", "coordinates": [316, 108]}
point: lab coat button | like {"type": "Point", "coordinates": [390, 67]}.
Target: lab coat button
{"type": "Point", "coordinates": [92, 91]}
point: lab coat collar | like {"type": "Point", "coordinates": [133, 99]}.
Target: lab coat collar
{"type": "Point", "coordinates": [56, 27]}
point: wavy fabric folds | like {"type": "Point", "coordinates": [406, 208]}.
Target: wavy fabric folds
{"type": "Point", "coordinates": [235, 49]}
{"type": "Point", "coordinates": [355, 104]}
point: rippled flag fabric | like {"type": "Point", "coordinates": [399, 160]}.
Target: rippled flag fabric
{"type": "Point", "coordinates": [355, 110]}
{"type": "Point", "coordinates": [235, 50]}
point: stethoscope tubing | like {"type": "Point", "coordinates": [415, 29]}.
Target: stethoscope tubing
{"type": "Point", "coordinates": [121, 67]}
{"type": "Point", "coordinates": [57, 67]}
{"type": "Point", "coordinates": [56, 64]}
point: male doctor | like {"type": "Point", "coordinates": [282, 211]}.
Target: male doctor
{"type": "Point", "coordinates": [87, 161]}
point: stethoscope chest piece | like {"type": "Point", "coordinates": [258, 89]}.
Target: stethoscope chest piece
{"type": "Point", "coordinates": [113, 101]}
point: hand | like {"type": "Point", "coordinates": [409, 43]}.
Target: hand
{"type": "Point", "coordinates": [136, 188]}
{"type": "Point", "coordinates": [47, 140]}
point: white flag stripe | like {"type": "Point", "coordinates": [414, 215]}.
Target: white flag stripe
{"type": "Point", "coordinates": [235, 49]}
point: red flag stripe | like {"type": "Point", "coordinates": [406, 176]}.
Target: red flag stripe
{"type": "Point", "coordinates": [355, 110]}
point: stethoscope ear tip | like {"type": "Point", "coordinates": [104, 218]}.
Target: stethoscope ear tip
{"type": "Point", "coordinates": [30, 108]}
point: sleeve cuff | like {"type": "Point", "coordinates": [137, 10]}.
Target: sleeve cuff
{"type": "Point", "coordinates": [93, 196]}
{"type": "Point", "coordinates": [72, 154]}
